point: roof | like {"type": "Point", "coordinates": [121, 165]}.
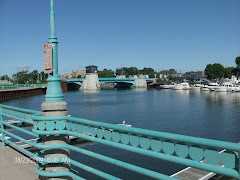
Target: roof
{"type": "Point", "coordinates": [91, 66]}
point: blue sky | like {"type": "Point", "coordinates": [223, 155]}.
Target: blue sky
{"type": "Point", "coordinates": [162, 34]}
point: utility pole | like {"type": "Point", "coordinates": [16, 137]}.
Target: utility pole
{"type": "Point", "coordinates": [55, 105]}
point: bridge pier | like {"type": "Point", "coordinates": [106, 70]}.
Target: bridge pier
{"type": "Point", "coordinates": [140, 83]}
{"type": "Point", "coordinates": [91, 81]}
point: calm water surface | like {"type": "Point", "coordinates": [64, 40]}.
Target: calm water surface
{"type": "Point", "coordinates": [201, 114]}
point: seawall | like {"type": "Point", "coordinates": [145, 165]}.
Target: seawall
{"type": "Point", "coordinates": [26, 91]}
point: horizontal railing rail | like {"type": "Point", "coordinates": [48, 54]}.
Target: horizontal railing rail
{"type": "Point", "coordinates": [181, 149]}
{"type": "Point", "coordinates": [22, 86]}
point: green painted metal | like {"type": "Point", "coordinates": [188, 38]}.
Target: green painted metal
{"type": "Point", "coordinates": [24, 115]}
{"type": "Point", "coordinates": [107, 159]}
{"type": "Point", "coordinates": [145, 142]}
{"type": "Point", "coordinates": [181, 150]}
{"type": "Point", "coordinates": [19, 109]}
{"type": "Point", "coordinates": [170, 158]}
{"type": "Point", "coordinates": [2, 128]}
{"type": "Point", "coordinates": [21, 129]}
{"type": "Point", "coordinates": [17, 137]}
{"type": "Point", "coordinates": [145, 132]}
{"type": "Point", "coordinates": [54, 91]}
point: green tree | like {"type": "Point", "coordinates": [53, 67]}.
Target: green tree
{"type": "Point", "coordinates": [236, 71]}
{"type": "Point", "coordinates": [171, 78]}
{"type": "Point", "coordinates": [130, 70]}
{"type": "Point", "coordinates": [5, 77]}
{"type": "Point", "coordinates": [214, 71]}
{"type": "Point", "coordinates": [148, 71]}
{"type": "Point", "coordinates": [43, 76]}
{"type": "Point", "coordinates": [24, 76]}
{"type": "Point", "coordinates": [228, 72]}
{"type": "Point", "coordinates": [160, 81]}
{"type": "Point", "coordinates": [34, 75]}
{"type": "Point", "coordinates": [21, 77]}
{"type": "Point", "coordinates": [106, 73]}
{"type": "Point", "coordinates": [172, 71]}
{"type": "Point", "coordinates": [237, 61]}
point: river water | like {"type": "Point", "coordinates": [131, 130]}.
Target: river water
{"type": "Point", "coordinates": [214, 115]}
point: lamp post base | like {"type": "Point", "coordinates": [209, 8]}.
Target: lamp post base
{"type": "Point", "coordinates": [56, 109]}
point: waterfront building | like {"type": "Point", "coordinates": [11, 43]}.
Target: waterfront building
{"type": "Point", "coordinates": [78, 73]}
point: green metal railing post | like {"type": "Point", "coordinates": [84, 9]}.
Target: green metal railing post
{"type": "Point", "coordinates": [239, 163]}
{"type": "Point", "coordinates": [2, 128]}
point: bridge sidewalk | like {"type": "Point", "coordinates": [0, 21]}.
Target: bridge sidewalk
{"type": "Point", "coordinates": [10, 170]}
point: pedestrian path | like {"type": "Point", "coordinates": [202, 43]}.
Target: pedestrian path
{"type": "Point", "coordinates": [11, 168]}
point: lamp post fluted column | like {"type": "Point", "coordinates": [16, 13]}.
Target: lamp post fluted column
{"type": "Point", "coordinates": [54, 90]}
{"type": "Point", "coordinates": [55, 105]}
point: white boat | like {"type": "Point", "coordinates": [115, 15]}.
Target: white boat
{"type": "Point", "coordinates": [205, 88]}
{"type": "Point", "coordinates": [196, 86]}
{"type": "Point", "coordinates": [182, 86]}
{"type": "Point", "coordinates": [236, 88]}
{"type": "Point", "coordinates": [126, 125]}
{"type": "Point", "coordinates": [212, 86]}
{"type": "Point", "coordinates": [164, 86]}
{"type": "Point", "coordinates": [227, 86]}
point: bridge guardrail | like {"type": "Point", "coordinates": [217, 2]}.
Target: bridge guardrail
{"type": "Point", "coordinates": [185, 150]}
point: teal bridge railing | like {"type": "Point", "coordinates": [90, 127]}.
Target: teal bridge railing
{"type": "Point", "coordinates": [185, 150]}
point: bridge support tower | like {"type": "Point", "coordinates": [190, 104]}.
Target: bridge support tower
{"type": "Point", "coordinates": [91, 82]}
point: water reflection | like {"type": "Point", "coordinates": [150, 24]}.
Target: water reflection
{"type": "Point", "coordinates": [140, 89]}
{"type": "Point", "coordinates": [91, 91]}
{"type": "Point", "coordinates": [222, 97]}
{"type": "Point", "coordinates": [211, 97]}
{"type": "Point", "coordinates": [183, 93]}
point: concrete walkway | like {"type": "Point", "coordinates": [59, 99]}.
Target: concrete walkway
{"type": "Point", "coordinates": [10, 169]}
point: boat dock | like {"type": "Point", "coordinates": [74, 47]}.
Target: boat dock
{"type": "Point", "coordinates": [191, 173]}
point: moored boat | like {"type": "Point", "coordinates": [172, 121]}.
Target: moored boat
{"type": "Point", "coordinates": [182, 86]}
{"type": "Point", "coordinates": [205, 88]}
{"type": "Point", "coordinates": [227, 86]}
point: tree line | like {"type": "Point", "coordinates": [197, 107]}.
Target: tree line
{"type": "Point", "coordinates": [217, 70]}
{"type": "Point", "coordinates": [212, 71]}
{"type": "Point", "coordinates": [129, 71]}
{"type": "Point", "coordinates": [24, 77]}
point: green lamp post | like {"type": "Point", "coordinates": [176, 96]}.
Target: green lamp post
{"type": "Point", "coordinates": [54, 90]}
{"type": "Point", "coordinates": [54, 105]}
